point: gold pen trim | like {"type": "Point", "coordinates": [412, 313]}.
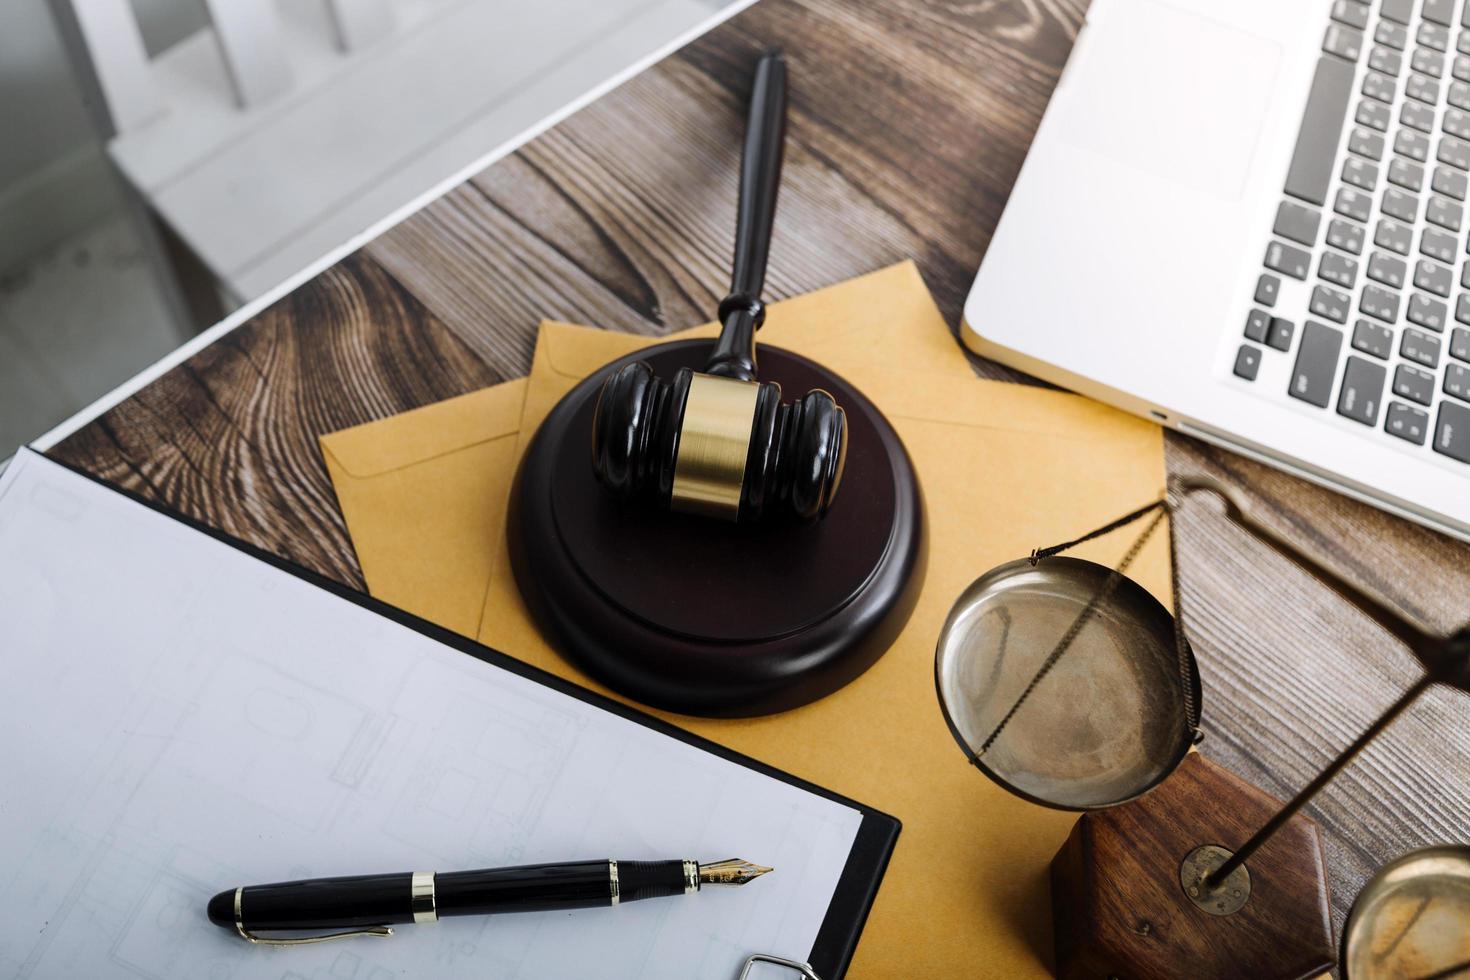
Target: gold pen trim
{"type": "Point", "coordinates": [421, 899]}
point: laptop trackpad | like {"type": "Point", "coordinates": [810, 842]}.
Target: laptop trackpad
{"type": "Point", "coordinates": [1171, 92]}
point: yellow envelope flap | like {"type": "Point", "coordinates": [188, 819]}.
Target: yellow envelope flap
{"type": "Point", "coordinates": [951, 397]}
{"type": "Point", "coordinates": [423, 433]}
{"type": "Point", "coordinates": [839, 325]}
{"type": "Point", "coordinates": [1001, 405]}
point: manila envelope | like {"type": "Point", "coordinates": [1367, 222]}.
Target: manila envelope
{"type": "Point", "coordinates": [1004, 469]}
{"type": "Point", "coordinates": [424, 492]}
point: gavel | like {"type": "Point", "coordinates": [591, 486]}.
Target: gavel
{"type": "Point", "coordinates": [719, 442]}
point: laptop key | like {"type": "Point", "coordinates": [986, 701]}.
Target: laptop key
{"type": "Point", "coordinates": [1460, 344]}
{"type": "Point", "coordinates": [1439, 11]}
{"type": "Point", "coordinates": [1268, 287]}
{"type": "Point", "coordinates": [1312, 160]}
{"type": "Point", "coordinates": [1316, 364]}
{"type": "Point", "coordinates": [1288, 260]}
{"type": "Point", "coordinates": [1407, 422]}
{"type": "Point", "coordinates": [1449, 182]}
{"type": "Point", "coordinates": [1406, 143]}
{"type": "Point", "coordinates": [1386, 269]}
{"type": "Point", "coordinates": [1405, 173]}
{"type": "Point", "coordinates": [1422, 89]}
{"type": "Point", "coordinates": [1368, 337]}
{"type": "Point", "coordinates": [1419, 347]}
{"type": "Point", "coordinates": [1436, 278]}
{"type": "Point", "coordinates": [1279, 333]}
{"type": "Point", "coordinates": [1366, 143]}
{"type": "Point", "coordinates": [1426, 61]}
{"type": "Point", "coordinates": [1444, 212]}
{"type": "Point", "coordinates": [1380, 303]}
{"type": "Point", "coordinates": [1345, 42]}
{"type": "Point", "coordinates": [1390, 234]}
{"type": "Point", "coordinates": [1247, 362]}
{"type": "Point", "coordinates": [1457, 381]}
{"type": "Point", "coordinates": [1373, 114]}
{"type": "Point", "coordinates": [1454, 151]}
{"type": "Point", "coordinates": [1257, 324]}
{"type": "Point", "coordinates": [1330, 303]}
{"type": "Point", "coordinates": [1462, 308]}
{"type": "Point", "coordinates": [1462, 43]}
{"type": "Point", "coordinates": [1338, 269]}
{"type": "Point", "coordinates": [1460, 68]}
{"type": "Point", "coordinates": [1420, 117]}
{"type": "Point", "coordinates": [1397, 10]}
{"type": "Point", "coordinates": [1427, 312]}
{"type": "Point", "coordinates": [1379, 86]}
{"type": "Point", "coordinates": [1437, 244]}
{"type": "Point", "coordinates": [1435, 36]}
{"type": "Point", "coordinates": [1345, 235]}
{"type": "Point", "coordinates": [1394, 35]}
{"type": "Point", "coordinates": [1363, 175]}
{"type": "Point", "coordinates": [1386, 61]}
{"type": "Point", "coordinates": [1351, 13]}
{"type": "Point", "coordinates": [1396, 203]}
{"type": "Point", "coordinates": [1298, 222]}
{"type": "Point", "coordinates": [1362, 388]}
{"type": "Point", "coordinates": [1452, 431]}
{"type": "Point", "coordinates": [1400, 171]}
{"type": "Point", "coordinates": [1414, 384]}
{"type": "Point", "coordinates": [1456, 122]}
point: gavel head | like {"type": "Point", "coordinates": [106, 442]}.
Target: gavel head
{"type": "Point", "coordinates": [707, 444]}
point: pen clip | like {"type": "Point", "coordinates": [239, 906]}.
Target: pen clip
{"type": "Point", "coordinates": [381, 932]}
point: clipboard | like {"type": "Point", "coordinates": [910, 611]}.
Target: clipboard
{"type": "Point", "coordinates": [872, 845]}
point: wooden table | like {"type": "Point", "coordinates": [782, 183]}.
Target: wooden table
{"type": "Point", "coordinates": [909, 122]}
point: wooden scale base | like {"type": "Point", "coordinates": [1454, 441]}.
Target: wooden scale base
{"type": "Point", "coordinates": [1121, 900]}
{"type": "Point", "coordinates": [705, 617]}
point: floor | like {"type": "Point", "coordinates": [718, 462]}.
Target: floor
{"type": "Point", "coordinates": [75, 322]}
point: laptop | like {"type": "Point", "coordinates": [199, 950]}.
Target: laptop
{"type": "Point", "coordinates": [1248, 222]}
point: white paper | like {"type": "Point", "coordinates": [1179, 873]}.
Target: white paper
{"type": "Point", "coordinates": [178, 718]}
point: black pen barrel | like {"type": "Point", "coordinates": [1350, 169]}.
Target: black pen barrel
{"type": "Point", "coordinates": [529, 888]}
{"type": "Point", "coordinates": [543, 887]}
{"type": "Point", "coordinates": [389, 899]}
{"type": "Point", "coordinates": [319, 903]}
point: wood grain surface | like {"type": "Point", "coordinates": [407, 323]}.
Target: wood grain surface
{"type": "Point", "coordinates": [909, 122]}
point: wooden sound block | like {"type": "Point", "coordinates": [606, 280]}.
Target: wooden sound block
{"type": "Point", "coordinates": [1119, 908]}
{"type": "Point", "coordinates": [704, 617]}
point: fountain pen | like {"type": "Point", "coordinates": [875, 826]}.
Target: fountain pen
{"type": "Point", "coordinates": [367, 905]}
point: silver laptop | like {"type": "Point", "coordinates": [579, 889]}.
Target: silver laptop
{"type": "Point", "coordinates": [1248, 221]}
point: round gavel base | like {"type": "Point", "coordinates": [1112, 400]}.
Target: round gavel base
{"type": "Point", "coordinates": [705, 617]}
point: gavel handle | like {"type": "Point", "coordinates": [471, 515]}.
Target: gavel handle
{"type": "Point", "coordinates": [741, 312]}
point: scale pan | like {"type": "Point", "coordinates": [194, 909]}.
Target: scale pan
{"type": "Point", "coordinates": [1412, 919]}
{"type": "Point", "coordinates": [1108, 722]}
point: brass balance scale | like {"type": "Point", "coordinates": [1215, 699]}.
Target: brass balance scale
{"type": "Point", "coordinates": [1068, 684]}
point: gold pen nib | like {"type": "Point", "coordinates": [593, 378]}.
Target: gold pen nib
{"type": "Point", "coordinates": [732, 871]}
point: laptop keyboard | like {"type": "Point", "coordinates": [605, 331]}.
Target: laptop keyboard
{"type": "Point", "coordinates": [1359, 287]}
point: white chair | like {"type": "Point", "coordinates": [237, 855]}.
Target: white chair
{"type": "Point", "coordinates": [288, 129]}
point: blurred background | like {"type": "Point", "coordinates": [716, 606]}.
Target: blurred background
{"type": "Point", "coordinates": [167, 161]}
{"type": "Point", "coordinates": [69, 255]}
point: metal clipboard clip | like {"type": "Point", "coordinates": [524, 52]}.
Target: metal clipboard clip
{"type": "Point", "coordinates": [805, 971]}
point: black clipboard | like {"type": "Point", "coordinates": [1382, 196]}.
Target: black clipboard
{"type": "Point", "coordinates": [872, 848]}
